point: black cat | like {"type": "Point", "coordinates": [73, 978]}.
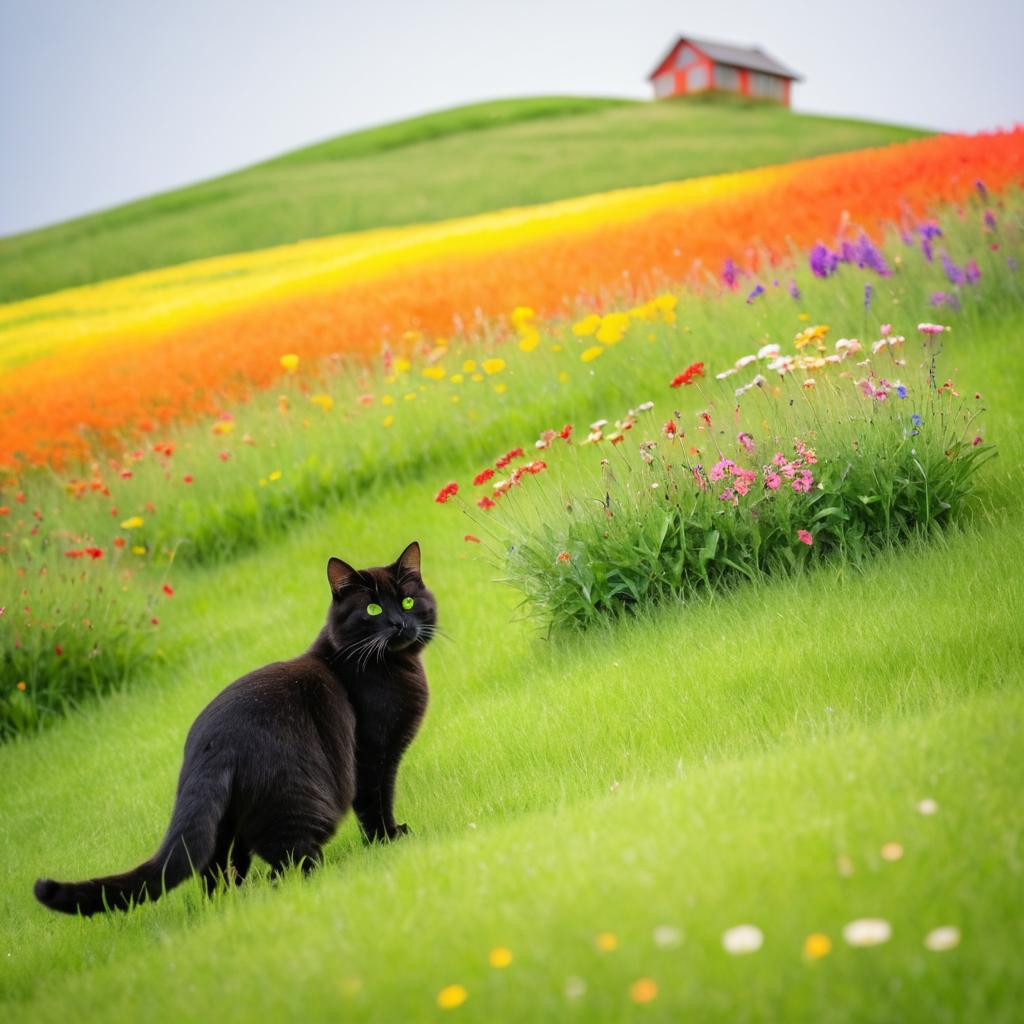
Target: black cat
{"type": "Point", "coordinates": [277, 758]}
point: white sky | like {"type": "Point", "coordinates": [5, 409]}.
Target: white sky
{"type": "Point", "coordinates": [102, 101]}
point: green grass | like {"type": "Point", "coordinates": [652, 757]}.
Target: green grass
{"type": "Point", "coordinates": [698, 766]}
{"type": "Point", "coordinates": [453, 163]}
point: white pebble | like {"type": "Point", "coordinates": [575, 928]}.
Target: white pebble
{"type": "Point", "coordinates": [940, 939]}
{"type": "Point", "coordinates": [867, 931]}
{"type": "Point", "coordinates": [744, 938]}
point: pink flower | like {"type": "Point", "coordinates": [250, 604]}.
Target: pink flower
{"type": "Point", "coordinates": [804, 537]}
{"type": "Point", "coordinates": [772, 481]}
{"type": "Point", "coordinates": [719, 469]}
{"type": "Point", "coordinates": [746, 440]}
{"type": "Point", "coordinates": [804, 482]}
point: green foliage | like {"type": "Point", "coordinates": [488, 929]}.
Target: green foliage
{"type": "Point", "coordinates": [652, 521]}
{"type": "Point", "coordinates": [454, 163]}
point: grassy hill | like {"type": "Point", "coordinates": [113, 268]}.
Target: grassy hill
{"type": "Point", "coordinates": [456, 162]}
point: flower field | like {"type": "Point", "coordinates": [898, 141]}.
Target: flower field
{"type": "Point", "coordinates": [747, 449]}
{"type": "Point", "coordinates": [175, 343]}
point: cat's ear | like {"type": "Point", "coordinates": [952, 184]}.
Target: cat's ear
{"type": "Point", "coordinates": [339, 574]}
{"type": "Point", "coordinates": [409, 560]}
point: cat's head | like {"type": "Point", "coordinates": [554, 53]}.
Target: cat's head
{"type": "Point", "coordinates": [385, 608]}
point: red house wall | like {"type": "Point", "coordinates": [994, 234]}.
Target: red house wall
{"type": "Point", "coordinates": [680, 85]}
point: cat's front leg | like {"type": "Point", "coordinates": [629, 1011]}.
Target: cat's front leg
{"type": "Point", "coordinates": [375, 796]}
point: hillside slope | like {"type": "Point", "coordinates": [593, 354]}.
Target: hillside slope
{"type": "Point", "coordinates": [453, 163]}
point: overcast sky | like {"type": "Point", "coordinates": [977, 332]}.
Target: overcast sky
{"type": "Point", "coordinates": [102, 101]}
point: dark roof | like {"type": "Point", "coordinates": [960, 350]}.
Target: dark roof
{"type": "Point", "coordinates": [752, 57]}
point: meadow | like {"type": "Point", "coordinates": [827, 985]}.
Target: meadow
{"type": "Point", "coordinates": [592, 812]}
{"type": "Point", "coordinates": [448, 164]}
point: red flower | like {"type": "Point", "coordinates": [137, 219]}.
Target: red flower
{"type": "Point", "coordinates": [446, 492]}
{"type": "Point", "coordinates": [20, 497]}
{"type": "Point", "coordinates": [224, 456]}
{"type": "Point", "coordinates": [563, 556]}
{"type": "Point", "coordinates": [535, 467]}
{"type": "Point", "coordinates": [483, 476]}
{"type": "Point", "coordinates": [516, 453]}
{"type": "Point", "coordinates": [126, 474]}
{"type": "Point", "coordinates": [119, 542]}
{"type": "Point", "coordinates": [94, 553]}
{"type": "Point", "coordinates": [669, 430]}
{"type": "Point", "coordinates": [565, 432]}
{"type": "Point", "coordinates": [485, 503]}
{"type": "Point", "coordinates": [4, 510]}
{"type": "Point", "coordinates": [688, 375]}
{"type": "Point", "coordinates": [471, 538]}
{"type": "Point", "coordinates": [187, 478]}
{"type": "Point", "coordinates": [58, 650]}
{"type": "Point", "coordinates": [168, 590]}
{"type": "Point", "coordinates": [155, 622]}
{"type": "Point", "coordinates": [74, 554]}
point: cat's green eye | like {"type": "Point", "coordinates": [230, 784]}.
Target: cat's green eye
{"type": "Point", "coordinates": [373, 609]}
{"type": "Point", "coordinates": [407, 603]}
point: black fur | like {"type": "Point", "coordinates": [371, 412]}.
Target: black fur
{"type": "Point", "coordinates": [276, 759]}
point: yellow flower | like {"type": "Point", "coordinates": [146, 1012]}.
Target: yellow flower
{"type": "Point", "coordinates": [586, 327]}
{"type": "Point", "coordinates": [451, 996]}
{"type": "Point", "coordinates": [401, 365]}
{"type": "Point", "coordinates": [666, 303]}
{"type": "Point", "coordinates": [324, 401]}
{"type": "Point", "coordinates": [132, 523]}
{"type": "Point", "coordinates": [410, 397]}
{"type": "Point", "coordinates": [613, 328]}
{"type": "Point", "coordinates": [529, 339]}
{"type": "Point", "coordinates": [469, 366]}
{"type": "Point", "coordinates": [556, 348]}
{"type": "Point", "coordinates": [455, 398]}
{"type": "Point", "coordinates": [434, 372]}
{"type": "Point", "coordinates": [563, 377]}
{"type": "Point", "coordinates": [522, 314]}
{"type": "Point", "coordinates": [606, 941]}
{"type": "Point", "coordinates": [223, 426]}
{"type": "Point", "coordinates": [389, 421]}
{"type": "Point", "coordinates": [590, 354]}
{"type": "Point", "coordinates": [817, 945]}
{"type": "Point", "coordinates": [276, 475]}
{"type": "Point", "coordinates": [386, 400]}
{"type": "Point", "coordinates": [138, 549]}
{"type": "Point", "coordinates": [499, 957]}
{"type": "Point", "coordinates": [493, 365]}
{"type": "Point", "coordinates": [456, 378]}
{"type": "Point", "coordinates": [411, 336]}
{"type": "Point", "coordinates": [263, 481]}
{"type": "Point", "coordinates": [476, 378]}
{"type": "Point", "coordinates": [290, 362]}
{"type": "Point", "coordinates": [500, 389]}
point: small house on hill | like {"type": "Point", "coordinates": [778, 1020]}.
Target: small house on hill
{"type": "Point", "coordinates": [699, 65]}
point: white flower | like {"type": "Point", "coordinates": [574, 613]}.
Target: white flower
{"type": "Point", "coordinates": [878, 346]}
{"type": "Point", "coordinates": [926, 806]}
{"type": "Point", "coordinates": [759, 381]}
{"type": "Point", "coordinates": [768, 351]}
{"type": "Point", "coordinates": [645, 407]}
{"type": "Point", "coordinates": [867, 931]}
{"type": "Point", "coordinates": [667, 936]}
{"type": "Point", "coordinates": [724, 374]}
{"type": "Point", "coordinates": [938, 940]}
{"type": "Point", "coordinates": [745, 361]}
{"type": "Point", "coordinates": [575, 988]}
{"type": "Point", "coordinates": [598, 425]}
{"type": "Point", "coordinates": [744, 938]}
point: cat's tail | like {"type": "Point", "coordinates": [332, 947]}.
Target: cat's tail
{"type": "Point", "coordinates": [189, 846]}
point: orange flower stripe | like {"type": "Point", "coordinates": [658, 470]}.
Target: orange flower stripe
{"type": "Point", "coordinates": [138, 352]}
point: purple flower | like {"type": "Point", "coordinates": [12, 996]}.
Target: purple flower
{"type": "Point", "coordinates": [1011, 263]}
{"type": "Point", "coordinates": [822, 262]}
{"type": "Point", "coordinates": [953, 272]}
{"type": "Point", "coordinates": [794, 289]}
{"type": "Point", "coordinates": [867, 296]}
{"type": "Point", "coordinates": [927, 233]}
{"type": "Point", "coordinates": [730, 273]}
{"type": "Point", "coordinates": [758, 290]}
{"type": "Point", "coordinates": [990, 220]}
{"type": "Point", "coordinates": [944, 299]}
{"type": "Point", "coordinates": [869, 257]}
{"type": "Point", "coordinates": [901, 390]}
{"type": "Point", "coordinates": [982, 191]}
{"type": "Point", "coordinates": [972, 273]}
{"type": "Point", "coordinates": [926, 248]}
